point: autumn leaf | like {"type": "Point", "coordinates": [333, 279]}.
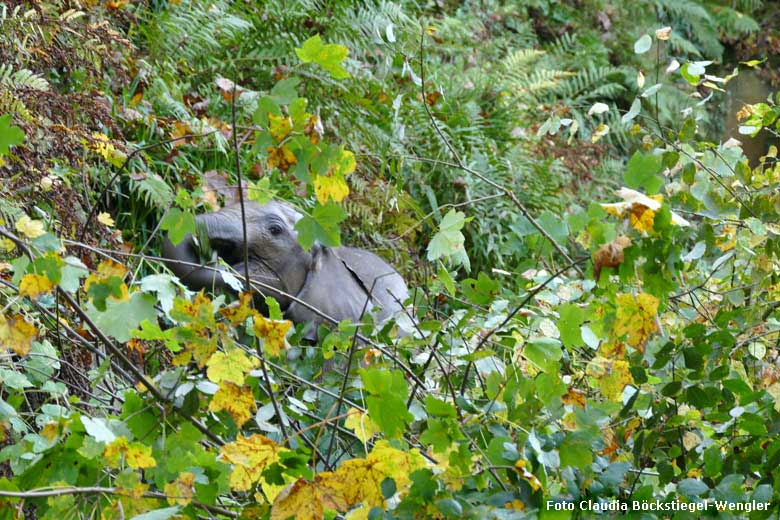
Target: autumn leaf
{"type": "Point", "coordinates": [361, 424]}
{"type": "Point", "coordinates": [635, 318]}
{"type": "Point", "coordinates": [533, 481]}
{"type": "Point", "coordinates": [361, 479]}
{"type": "Point", "coordinates": [279, 126]}
{"type": "Point", "coordinates": [105, 219]}
{"type": "Point", "coordinates": [273, 333]}
{"type": "Point", "coordinates": [641, 209]}
{"type": "Point", "coordinates": [610, 376]}
{"type": "Point", "coordinates": [136, 455]}
{"type": "Point", "coordinates": [330, 187]}
{"type": "Point", "coordinates": [236, 400]}
{"type": "Point", "coordinates": [33, 285]}
{"type": "Point", "coordinates": [610, 255]}
{"type": "Point", "coordinates": [232, 366]}
{"type": "Point", "coordinates": [17, 334]}
{"type": "Point", "coordinates": [30, 228]}
{"type": "Point", "coordinates": [181, 490]}
{"type": "Point", "coordinates": [238, 312]}
{"type": "Point", "coordinates": [281, 157]}
{"type": "Point", "coordinates": [250, 456]}
{"type": "Point", "coordinates": [308, 500]}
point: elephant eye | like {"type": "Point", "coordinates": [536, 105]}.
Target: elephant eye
{"type": "Point", "coordinates": [275, 229]}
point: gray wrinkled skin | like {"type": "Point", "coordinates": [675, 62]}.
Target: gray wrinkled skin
{"type": "Point", "coordinates": [337, 281]}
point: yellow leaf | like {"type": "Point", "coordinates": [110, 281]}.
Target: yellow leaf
{"type": "Point", "coordinates": [250, 456]}
{"type": "Point", "coordinates": [307, 500]}
{"type": "Point", "coordinates": [7, 245]}
{"type": "Point", "coordinates": [691, 440]}
{"type": "Point", "coordinates": [33, 285]}
{"type": "Point", "coordinates": [346, 163]}
{"type": "Point", "coordinates": [137, 455]}
{"type": "Point", "coordinates": [239, 311]}
{"type": "Point", "coordinates": [360, 480]}
{"type": "Point", "coordinates": [635, 318]}
{"type": "Point", "coordinates": [17, 334]}
{"type": "Point", "coordinates": [102, 145]}
{"type": "Point", "coordinates": [529, 477]}
{"type": "Point", "coordinates": [281, 157]}
{"type": "Point", "coordinates": [231, 366]}
{"type": "Point", "coordinates": [361, 424]}
{"type": "Point", "coordinates": [105, 219]}
{"type": "Point", "coordinates": [330, 187]}
{"type": "Point", "coordinates": [610, 376]}
{"type": "Point", "coordinates": [236, 400]}
{"type": "Point", "coordinates": [279, 127]}
{"type": "Point", "coordinates": [181, 490]}
{"type": "Point", "coordinates": [30, 228]}
{"type": "Point", "coordinates": [273, 334]}
{"type": "Point", "coordinates": [50, 431]}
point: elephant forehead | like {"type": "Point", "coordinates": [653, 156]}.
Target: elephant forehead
{"type": "Point", "coordinates": [259, 212]}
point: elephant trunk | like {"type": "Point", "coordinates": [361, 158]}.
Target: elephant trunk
{"type": "Point", "coordinates": [184, 261]}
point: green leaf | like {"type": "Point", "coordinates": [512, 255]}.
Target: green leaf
{"type": "Point", "coordinates": [571, 317]}
{"type": "Point", "coordinates": [643, 44]}
{"type": "Point", "coordinates": [9, 135]}
{"type": "Point", "coordinates": [691, 487]}
{"type": "Point", "coordinates": [386, 402]}
{"type": "Point", "coordinates": [42, 361]}
{"type": "Point", "coordinates": [178, 224]}
{"type": "Point", "coordinates": [576, 451]}
{"type": "Point", "coordinates": [642, 172]}
{"type": "Point", "coordinates": [286, 90]}
{"type": "Point", "coordinates": [14, 379]}
{"type": "Point", "coordinates": [448, 241]}
{"type": "Point", "coordinates": [122, 317]}
{"type": "Point", "coordinates": [438, 407]}
{"type": "Point", "coordinates": [322, 226]}
{"type": "Point", "coordinates": [636, 107]}
{"type": "Point", "coordinates": [329, 57]}
{"type": "Point", "coordinates": [544, 353]}
{"type": "Point", "coordinates": [261, 191]}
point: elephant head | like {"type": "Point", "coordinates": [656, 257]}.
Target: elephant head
{"type": "Point", "coordinates": [341, 283]}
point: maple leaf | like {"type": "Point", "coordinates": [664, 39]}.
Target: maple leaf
{"type": "Point", "coordinates": [30, 228]}
{"type": "Point", "coordinates": [232, 366]}
{"type": "Point", "coordinates": [635, 318]}
{"type": "Point", "coordinates": [17, 334]}
{"type": "Point", "coordinates": [361, 424]}
{"type": "Point", "coordinates": [250, 456]}
{"type": "Point", "coordinates": [181, 490]}
{"type": "Point", "coordinates": [236, 400]}
{"type": "Point", "coordinates": [273, 333]}
{"type": "Point", "coordinates": [330, 187]}
{"type": "Point", "coordinates": [33, 285]}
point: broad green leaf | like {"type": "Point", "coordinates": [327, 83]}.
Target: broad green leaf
{"type": "Point", "coordinates": [261, 191]}
{"type": "Point", "coordinates": [329, 57]}
{"type": "Point", "coordinates": [571, 317]}
{"type": "Point", "coordinates": [448, 241]}
{"type": "Point", "coordinates": [544, 353]}
{"type": "Point", "coordinates": [178, 224]}
{"type": "Point", "coordinates": [386, 402]}
{"type": "Point", "coordinates": [121, 318]}
{"type": "Point", "coordinates": [9, 135]}
{"type": "Point", "coordinates": [322, 226]}
{"type": "Point", "coordinates": [642, 172]}
{"type": "Point", "coordinates": [159, 514]}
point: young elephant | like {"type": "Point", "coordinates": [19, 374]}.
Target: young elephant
{"type": "Point", "coordinates": [336, 281]}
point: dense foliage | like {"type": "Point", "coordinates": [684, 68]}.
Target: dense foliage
{"type": "Point", "coordinates": [594, 261]}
